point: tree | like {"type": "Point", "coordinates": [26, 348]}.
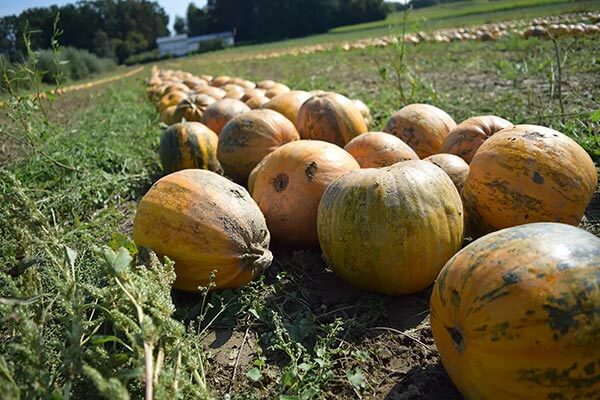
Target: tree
{"type": "Point", "coordinates": [179, 25]}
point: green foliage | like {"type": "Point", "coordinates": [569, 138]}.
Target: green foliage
{"type": "Point", "coordinates": [71, 64]}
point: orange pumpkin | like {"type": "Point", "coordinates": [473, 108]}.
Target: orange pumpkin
{"type": "Point", "coordinates": [266, 84]}
{"type": "Point", "coordinates": [220, 81]}
{"type": "Point", "coordinates": [168, 116]}
{"type": "Point", "coordinates": [170, 99]}
{"type": "Point", "coordinates": [515, 314]}
{"type": "Point", "coordinates": [202, 101]}
{"type": "Point", "coordinates": [204, 223]}
{"type": "Point", "coordinates": [379, 149]}
{"type": "Point", "coordinates": [288, 103]}
{"type": "Point", "coordinates": [276, 89]}
{"type": "Point", "coordinates": [364, 110]}
{"type": "Point", "coordinates": [330, 117]}
{"type": "Point", "coordinates": [454, 166]}
{"type": "Point", "coordinates": [247, 138]}
{"type": "Point", "coordinates": [189, 145]}
{"type": "Point", "coordinates": [211, 91]}
{"type": "Point", "coordinates": [466, 137]}
{"type": "Point", "coordinates": [250, 93]}
{"type": "Point", "coordinates": [257, 102]}
{"type": "Point", "coordinates": [187, 110]}
{"type": "Point", "coordinates": [288, 185]}
{"type": "Point", "coordinates": [236, 95]}
{"type": "Point", "coordinates": [422, 126]}
{"type": "Point", "coordinates": [221, 112]}
{"type": "Point", "coordinates": [390, 230]}
{"type": "Point", "coordinates": [528, 174]}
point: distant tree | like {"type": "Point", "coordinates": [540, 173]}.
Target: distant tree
{"type": "Point", "coordinates": [179, 25]}
{"type": "Point", "coordinates": [103, 46]}
{"type": "Point", "coordinates": [199, 21]}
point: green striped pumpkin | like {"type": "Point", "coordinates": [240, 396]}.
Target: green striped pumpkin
{"type": "Point", "coordinates": [188, 145]}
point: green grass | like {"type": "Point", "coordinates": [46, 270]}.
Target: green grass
{"type": "Point", "coordinates": [72, 174]}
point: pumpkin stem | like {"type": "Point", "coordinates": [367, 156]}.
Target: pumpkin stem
{"type": "Point", "coordinates": [458, 338]}
{"type": "Point", "coordinates": [259, 258]}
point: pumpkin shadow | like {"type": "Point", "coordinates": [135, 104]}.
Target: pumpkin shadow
{"type": "Point", "coordinates": [429, 382]}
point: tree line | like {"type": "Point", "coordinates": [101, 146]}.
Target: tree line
{"type": "Point", "coordinates": [118, 29]}
{"type": "Point", "coordinates": [256, 20]}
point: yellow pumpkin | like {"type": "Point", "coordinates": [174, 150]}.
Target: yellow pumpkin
{"type": "Point", "coordinates": [392, 229]}
{"type": "Point", "coordinates": [527, 174]}
{"type": "Point", "coordinates": [204, 222]}
{"type": "Point", "coordinates": [422, 126]}
{"type": "Point", "coordinates": [515, 314]}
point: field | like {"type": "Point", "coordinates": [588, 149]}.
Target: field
{"type": "Point", "coordinates": [73, 169]}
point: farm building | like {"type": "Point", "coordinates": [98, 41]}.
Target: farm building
{"type": "Point", "coordinates": [180, 45]}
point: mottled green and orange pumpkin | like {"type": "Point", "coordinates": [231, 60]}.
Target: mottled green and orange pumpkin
{"type": "Point", "coordinates": [330, 117]}
{"type": "Point", "coordinates": [422, 126]}
{"type": "Point", "coordinates": [526, 174]}
{"type": "Point", "coordinates": [288, 184]}
{"type": "Point", "coordinates": [170, 99]}
{"type": "Point", "coordinates": [466, 137]}
{"type": "Point", "coordinates": [516, 314]}
{"type": "Point", "coordinates": [391, 230]}
{"type": "Point", "coordinates": [288, 103]}
{"type": "Point", "coordinates": [247, 138]}
{"type": "Point", "coordinates": [221, 112]}
{"type": "Point", "coordinates": [189, 145]}
{"type": "Point", "coordinates": [379, 149]}
{"type": "Point", "coordinates": [454, 166]}
{"type": "Point", "coordinates": [204, 222]}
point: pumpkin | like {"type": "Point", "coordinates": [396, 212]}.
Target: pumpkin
{"type": "Point", "coordinates": [211, 91]}
{"type": "Point", "coordinates": [454, 166]}
{"type": "Point", "coordinates": [247, 138]}
{"type": "Point", "coordinates": [526, 174]}
{"type": "Point", "coordinates": [257, 102]}
{"type": "Point", "coordinates": [244, 83]}
{"type": "Point", "coordinates": [515, 314]}
{"type": "Point", "coordinates": [173, 87]}
{"type": "Point", "coordinates": [422, 126]}
{"type": "Point", "coordinates": [466, 137]}
{"type": "Point", "coordinates": [391, 230]}
{"type": "Point", "coordinates": [204, 222]}
{"type": "Point", "coordinates": [288, 184]}
{"type": "Point", "coordinates": [330, 117]}
{"type": "Point", "coordinates": [187, 110]}
{"type": "Point", "coordinates": [202, 101]}
{"type": "Point", "coordinates": [232, 87]}
{"type": "Point", "coordinates": [379, 149]}
{"type": "Point", "coordinates": [266, 84]}
{"type": "Point", "coordinates": [168, 116]}
{"type": "Point", "coordinates": [193, 82]}
{"type": "Point", "coordinates": [364, 110]}
{"type": "Point", "coordinates": [250, 93]}
{"type": "Point", "coordinates": [220, 81]}
{"type": "Point", "coordinates": [189, 145]}
{"type": "Point", "coordinates": [276, 89]}
{"type": "Point", "coordinates": [288, 103]}
{"type": "Point", "coordinates": [219, 113]}
{"type": "Point", "coordinates": [170, 99]}
{"type": "Point", "coordinates": [234, 94]}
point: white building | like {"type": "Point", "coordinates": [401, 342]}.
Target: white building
{"type": "Point", "coordinates": [180, 45]}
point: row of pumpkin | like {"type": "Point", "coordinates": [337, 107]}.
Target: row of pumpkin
{"type": "Point", "coordinates": [389, 222]}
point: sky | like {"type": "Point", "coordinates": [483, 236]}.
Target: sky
{"type": "Point", "coordinates": [172, 7]}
